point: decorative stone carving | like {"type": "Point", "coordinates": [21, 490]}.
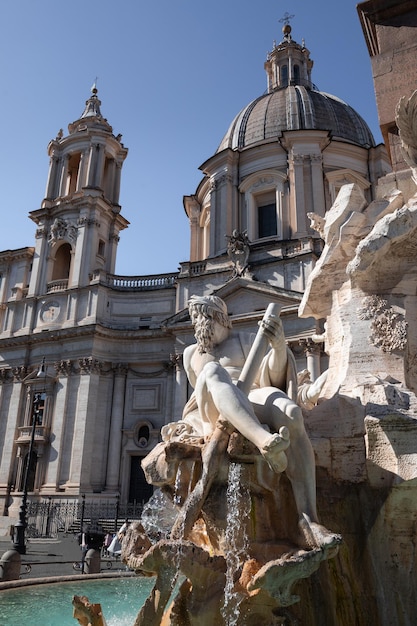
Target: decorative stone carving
{"type": "Point", "coordinates": [88, 365]}
{"type": "Point", "coordinates": [87, 613]}
{"type": "Point", "coordinates": [121, 369]}
{"type": "Point", "coordinates": [41, 232]}
{"type": "Point", "coordinates": [175, 361]}
{"type": "Point", "coordinates": [5, 375]}
{"type": "Point", "coordinates": [317, 223]}
{"type": "Point", "coordinates": [389, 328]}
{"type": "Point", "coordinates": [238, 250]}
{"type": "Point", "coordinates": [64, 367]}
{"type": "Point", "coordinates": [225, 177]}
{"type": "Point", "coordinates": [50, 311]}
{"type": "Point", "coordinates": [87, 221]}
{"type": "Point", "coordinates": [62, 229]}
{"type": "Point", "coordinates": [20, 372]}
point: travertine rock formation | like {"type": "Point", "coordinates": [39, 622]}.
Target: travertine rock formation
{"type": "Point", "coordinates": [364, 428]}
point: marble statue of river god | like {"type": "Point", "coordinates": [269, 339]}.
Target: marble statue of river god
{"type": "Point", "coordinates": [242, 535]}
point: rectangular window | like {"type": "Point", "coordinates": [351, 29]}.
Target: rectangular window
{"type": "Point", "coordinates": [101, 248]}
{"type": "Point", "coordinates": [38, 408]}
{"type": "Point", "coordinates": [267, 220]}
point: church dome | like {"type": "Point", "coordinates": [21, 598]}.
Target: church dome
{"type": "Point", "coordinates": [293, 102]}
{"type": "Point", "coordinates": [296, 107]}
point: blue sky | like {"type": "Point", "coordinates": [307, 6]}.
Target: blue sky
{"type": "Point", "coordinates": [171, 77]}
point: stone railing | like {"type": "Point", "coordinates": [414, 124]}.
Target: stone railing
{"type": "Point", "coordinates": [194, 268]}
{"type": "Point", "coordinates": [57, 285]}
{"type": "Point", "coordinates": [134, 283]}
{"type": "Point", "coordinates": [25, 433]}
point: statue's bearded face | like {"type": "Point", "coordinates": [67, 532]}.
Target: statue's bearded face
{"type": "Point", "coordinates": [204, 328]}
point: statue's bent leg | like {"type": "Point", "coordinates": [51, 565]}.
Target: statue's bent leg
{"type": "Point", "coordinates": [217, 395]}
{"type": "Point", "coordinates": [274, 408]}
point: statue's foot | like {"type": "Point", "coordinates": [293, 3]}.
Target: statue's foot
{"type": "Point", "coordinates": [314, 535]}
{"type": "Point", "coordinates": [273, 450]}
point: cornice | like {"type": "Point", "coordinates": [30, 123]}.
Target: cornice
{"type": "Point", "coordinates": [6, 256]}
{"type": "Point", "coordinates": [375, 12]}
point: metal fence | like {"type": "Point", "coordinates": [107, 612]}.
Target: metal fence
{"type": "Point", "coordinates": [47, 518]}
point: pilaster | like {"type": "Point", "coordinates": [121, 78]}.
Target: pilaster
{"type": "Point", "coordinates": [53, 478]}
{"type": "Point", "coordinates": [116, 428]}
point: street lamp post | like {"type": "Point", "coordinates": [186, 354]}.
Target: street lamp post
{"type": "Point", "coordinates": [116, 517]}
{"type": "Point", "coordinates": [19, 542]}
{"type": "Point", "coordinates": [82, 531]}
{"type": "Point", "coordinates": [21, 525]}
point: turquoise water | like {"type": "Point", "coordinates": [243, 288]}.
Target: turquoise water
{"type": "Point", "coordinates": [51, 605]}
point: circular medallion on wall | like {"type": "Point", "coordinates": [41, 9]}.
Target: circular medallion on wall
{"type": "Point", "coordinates": [50, 311]}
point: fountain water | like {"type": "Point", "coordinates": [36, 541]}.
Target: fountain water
{"type": "Point", "coordinates": [50, 604]}
{"type": "Point", "coordinates": [237, 542]}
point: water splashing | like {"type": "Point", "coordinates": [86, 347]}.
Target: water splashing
{"type": "Point", "coordinates": [158, 515]}
{"type": "Point", "coordinates": [237, 542]}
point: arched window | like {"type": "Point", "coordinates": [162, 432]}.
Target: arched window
{"type": "Point", "coordinates": [205, 236]}
{"type": "Point", "coordinates": [73, 167]}
{"type": "Point", "coordinates": [62, 263]}
{"type": "Point", "coordinates": [143, 436]}
{"type": "Point", "coordinates": [296, 72]}
{"type": "Point", "coordinates": [284, 75]}
{"type": "Point", "coordinates": [262, 209]}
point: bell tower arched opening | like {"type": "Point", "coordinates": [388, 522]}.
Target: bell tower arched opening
{"type": "Point", "coordinates": [62, 263]}
{"type": "Point", "coordinates": [73, 169]}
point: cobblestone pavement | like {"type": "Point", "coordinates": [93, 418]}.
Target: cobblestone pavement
{"type": "Point", "coordinates": [53, 557]}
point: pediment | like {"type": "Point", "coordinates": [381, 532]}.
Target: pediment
{"type": "Point", "coordinates": [40, 377]}
{"type": "Point", "coordinates": [244, 296]}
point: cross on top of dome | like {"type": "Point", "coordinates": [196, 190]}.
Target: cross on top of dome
{"type": "Point", "coordinates": [286, 29]}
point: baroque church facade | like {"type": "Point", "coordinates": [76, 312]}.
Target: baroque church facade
{"type": "Point", "coordinates": [95, 358]}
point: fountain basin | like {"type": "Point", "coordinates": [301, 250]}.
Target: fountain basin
{"type": "Point", "coordinates": [50, 603]}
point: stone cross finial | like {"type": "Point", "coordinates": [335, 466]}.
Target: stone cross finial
{"type": "Point", "coordinates": [285, 19]}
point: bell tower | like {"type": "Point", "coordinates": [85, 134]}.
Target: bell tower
{"type": "Point", "coordinates": [79, 221]}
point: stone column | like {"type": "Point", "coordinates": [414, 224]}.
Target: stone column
{"type": "Point", "coordinates": [51, 183]}
{"type": "Point", "coordinates": [108, 183]}
{"type": "Point", "coordinates": [319, 205]}
{"type": "Point", "coordinates": [98, 175]}
{"type": "Point", "coordinates": [116, 426]}
{"type": "Point", "coordinates": [312, 351]}
{"type": "Point", "coordinates": [81, 178]}
{"type": "Point", "coordinates": [298, 218]}
{"type": "Point", "coordinates": [40, 262]}
{"type": "Point", "coordinates": [222, 224]}
{"type": "Point", "coordinates": [116, 187]}
{"type": "Point", "coordinates": [290, 67]}
{"type": "Point", "coordinates": [91, 166]}
{"type": "Point", "coordinates": [213, 215]}
{"type": "Point", "coordinates": [195, 252]}
{"type": "Point", "coordinates": [10, 414]}
{"type": "Point", "coordinates": [64, 176]}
